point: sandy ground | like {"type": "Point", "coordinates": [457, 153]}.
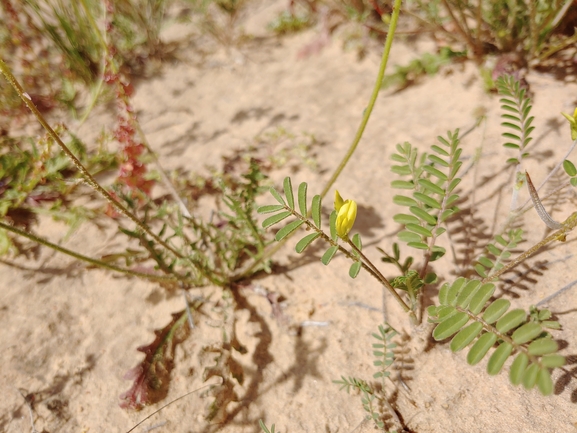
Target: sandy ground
{"type": "Point", "coordinates": [70, 334]}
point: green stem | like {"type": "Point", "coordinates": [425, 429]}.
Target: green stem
{"type": "Point", "coordinates": [560, 235]}
{"type": "Point", "coordinates": [99, 263]}
{"type": "Point", "coordinates": [369, 109]}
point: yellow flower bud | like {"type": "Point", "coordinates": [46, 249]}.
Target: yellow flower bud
{"type": "Point", "coordinates": [346, 215]}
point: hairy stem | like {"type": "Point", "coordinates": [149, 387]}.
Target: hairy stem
{"type": "Point", "coordinates": [101, 264]}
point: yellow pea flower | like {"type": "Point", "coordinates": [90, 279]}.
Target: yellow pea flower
{"type": "Point", "coordinates": [573, 123]}
{"type": "Point", "coordinates": [346, 215]}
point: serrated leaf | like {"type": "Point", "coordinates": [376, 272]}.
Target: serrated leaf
{"type": "Point", "coordinates": [450, 325]}
{"type": "Point", "coordinates": [553, 361]}
{"type": "Point", "coordinates": [498, 358]}
{"type": "Point", "coordinates": [355, 269]}
{"type": "Point", "coordinates": [480, 348]}
{"type": "Point", "coordinates": [419, 230]}
{"type": "Point", "coordinates": [288, 192]}
{"type": "Point", "coordinates": [401, 200]}
{"type": "Point", "coordinates": [316, 210]}
{"type": "Point", "coordinates": [329, 254]}
{"type": "Point", "coordinates": [543, 346]}
{"type": "Point", "coordinates": [429, 201]}
{"type": "Point", "coordinates": [288, 229]}
{"type": "Point", "coordinates": [518, 368]}
{"type": "Point", "coordinates": [530, 376]}
{"type": "Point", "coordinates": [423, 215]}
{"type": "Point", "coordinates": [544, 382]}
{"type": "Point", "coordinates": [465, 336]}
{"type": "Point", "coordinates": [305, 242]}
{"type": "Point", "coordinates": [526, 333]}
{"type": "Point", "coordinates": [275, 219]}
{"type": "Point", "coordinates": [481, 297]}
{"type": "Point", "coordinates": [277, 196]}
{"type": "Point", "coordinates": [496, 310]}
{"type": "Point", "coordinates": [302, 197]}
{"type": "Point", "coordinates": [511, 320]}
{"type": "Point", "coordinates": [269, 208]}
{"type": "Point", "coordinates": [402, 184]}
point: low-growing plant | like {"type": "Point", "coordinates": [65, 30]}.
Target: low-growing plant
{"type": "Point", "coordinates": [170, 245]}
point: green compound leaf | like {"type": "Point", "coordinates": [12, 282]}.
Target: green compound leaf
{"type": "Point", "coordinates": [498, 358]}
{"type": "Point", "coordinates": [553, 361]}
{"type": "Point", "coordinates": [329, 254]}
{"type": "Point", "coordinates": [401, 200]}
{"type": "Point", "coordinates": [405, 219]}
{"type": "Point", "coordinates": [402, 184]}
{"type": "Point", "coordinates": [438, 174]}
{"type": "Point", "coordinates": [419, 230]}
{"type": "Point", "coordinates": [423, 215]}
{"type": "Point", "coordinates": [569, 168]}
{"type": "Point", "coordinates": [429, 201]}
{"type": "Point", "coordinates": [496, 310]}
{"type": "Point", "coordinates": [357, 241]}
{"type": "Point", "coordinates": [305, 242]}
{"type": "Point", "coordinates": [544, 382]}
{"type": "Point", "coordinates": [277, 196]}
{"type": "Point", "coordinates": [465, 336]}
{"type": "Point", "coordinates": [288, 192]}
{"type": "Point", "coordinates": [270, 208]}
{"type": "Point", "coordinates": [316, 210]}
{"type": "Point", "coordinates": [481, 347]}
{"type": "Point", "coordinates": [518, 368]}
{"type": "Point", "coordinates": [333, 225]}
{"type": "Point", "coordinates": [355, 269]}
{"type": "Point", "coordinates": [302, 197]}
{"type": "Point", "coordinates": [288, 229]}
{"type": "Point", "coordinates": [467, 293]}
{"type": "Point", "coordinates": [543, 346]}
{"type": "Point", "coordinates": [437, 253]}
{"type": "Point", "coordinates": [431, 187]}
{"type": "Point", "coordinates": [527, 332]}
{"type": "Point", "coordinates": [408, 237]}
{"type": "Point", "coordinates": [481, 297]}
{"type": "Point", "coordinates": [511, 320]}
{"type": "Point", "coordinates": [530, 376]}
{"type": "Point", "coordinates": [275, 219]}
{"type": "Point", "coordinates": [450, 325]}
{"type": "Point", "coordinates": [418, 245]}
